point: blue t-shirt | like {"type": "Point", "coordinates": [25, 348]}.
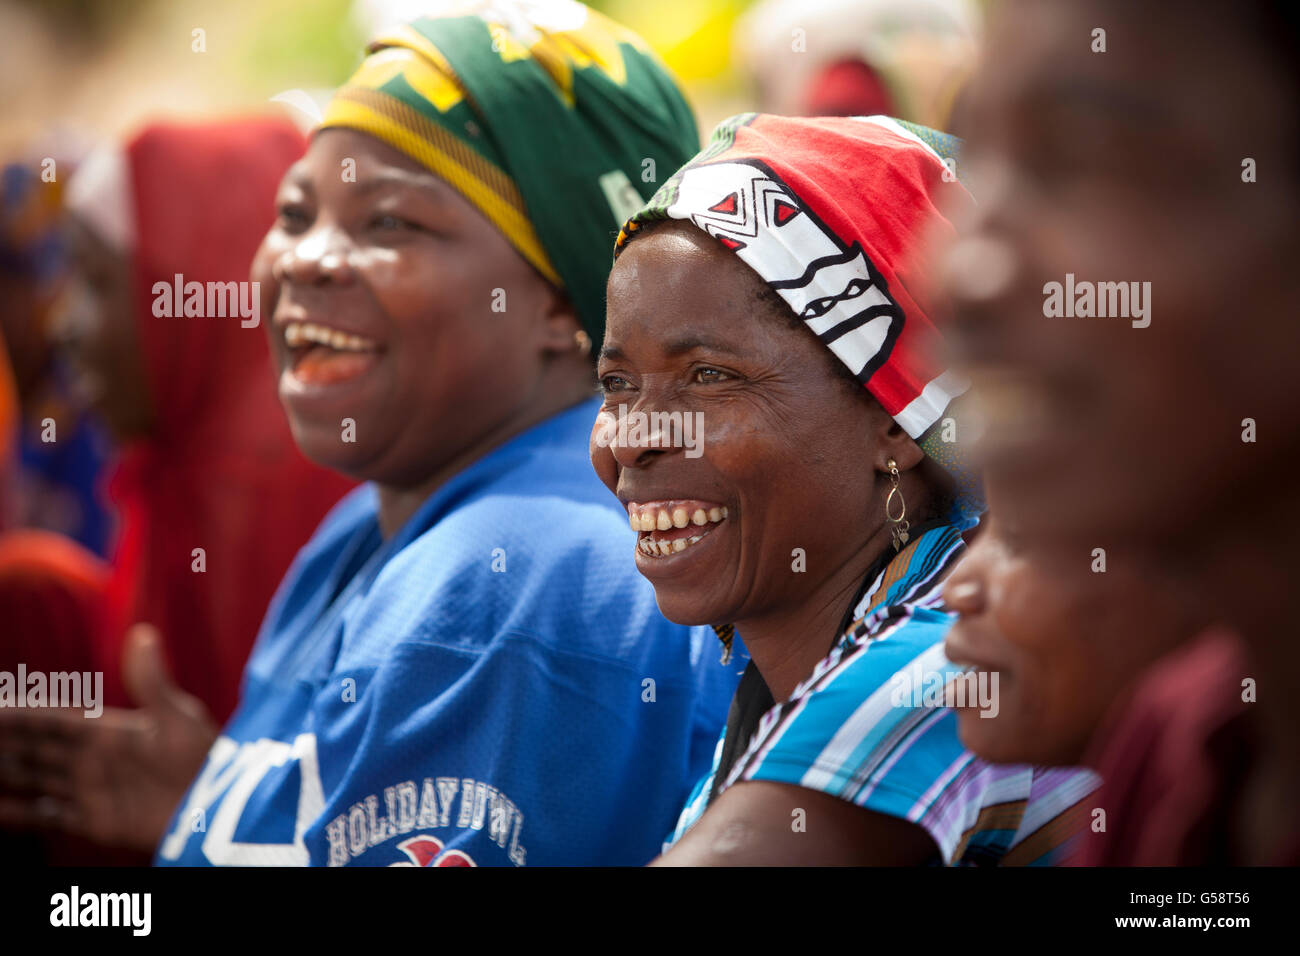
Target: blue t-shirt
{"type": "Point", "coordinates": [494, 685]}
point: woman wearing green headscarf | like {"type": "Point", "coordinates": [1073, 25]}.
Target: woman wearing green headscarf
{"type": "Point", "coordinates": [461, 667]}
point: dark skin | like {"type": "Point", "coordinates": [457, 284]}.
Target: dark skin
{"type": "Point", "coordinates": [685, 332]}
{"type": "Point", "coordinates": [95, 331]}
{"type": "Point", "coordinates": [1104, 165]}
{"type": "Point", "coordinates": [25, 341]}
{"type": "Point", "coordinates": [399, 257]}
{"type": "Point", "coordinates": [403, 259]}
{"type": "Point", "coordinates": [1065, 641]}
{"type": "Point", "coordinates": [752, 824]}
{"type": "Point", "coordinates": [115, 779]}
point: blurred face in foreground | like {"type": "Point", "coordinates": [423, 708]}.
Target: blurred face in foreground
{"type": "Point", "coordinates": [382, 291]}
{"type": "Point", "coordinates": [1065, 629]}
{"type": "Point", "coordinates": [1126, 166]}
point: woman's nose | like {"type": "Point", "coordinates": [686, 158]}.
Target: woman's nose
{"type": "Point", "coordinates": [638, 435]}
{"type": "Point", "coordinates": [963, 593]}
{"type": "Point", "coordinates": [634, 450]}
{"type": "Point", "coordinates": [320, 255]}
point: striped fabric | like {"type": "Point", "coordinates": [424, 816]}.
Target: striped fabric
{"type": "Point", "coordinates": [862, 729]}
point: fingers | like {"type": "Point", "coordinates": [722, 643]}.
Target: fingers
{"type": "Point", "coordinates": [23, 730]}
{"type": "Point", "coordinates": [146, 674]}
{"type": "Point", "coordinates": [19, 726]}
{"type": "Point", "coordinates": [61, 754]}
{"type": "Point", "coordinates": [37, 749]}
{"type": "Point", "coordinates": [40, 771]}
{"type": "Point", "coordinates": [31, 813]}
{"type": "Point", "coordinates": [144, 671]}
{"type": "Point", "coordinates": [150, 684]}
{"type": "Point", "coordinates": [37, 785]}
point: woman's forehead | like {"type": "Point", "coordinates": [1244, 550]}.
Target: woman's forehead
{"type": "Point", "coordinates": [354, 157]}
{"type": "Point", "coordinates": [673, 256]}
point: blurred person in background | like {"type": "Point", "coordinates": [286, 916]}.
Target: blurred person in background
{"type": "Point", "coordinates": [213, 496]}
{"type": "Point", "coordinates": [207, 461]}
{"type": "Point", "coordinates": [460, 668]}
{"type": "Point", "coordinates": [1167, 433]}
{"type": "Point", "coordinates": [904, 58]}
{"type": "Point", "coordinates": [9, 423]}
{"type": "Point", "coordinates": [57, 449]}
{"type": "Point", "coordinates": [55, 525]}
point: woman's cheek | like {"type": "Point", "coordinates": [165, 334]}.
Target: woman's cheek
{"type": "Point", "coordinates": [408, 274]}
{"type": "Point", "coordinates": [262, 271]}
{"type": "Point", "coordinates": [604, 432]}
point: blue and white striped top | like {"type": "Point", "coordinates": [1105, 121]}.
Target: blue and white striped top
{"type": "Point", "coordinates": [869, 726]}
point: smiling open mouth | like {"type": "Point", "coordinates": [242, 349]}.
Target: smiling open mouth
{"type": "Point", "coordinates": [670, 527]}
{"type": "Point", "coordinates": [322, 356]}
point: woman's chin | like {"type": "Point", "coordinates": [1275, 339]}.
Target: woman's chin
{"type": "Point", "coordinates": [991, 739]}
{"type": "Point", "coordinates": [690, 610]}
{"type": "Point", "coordinates": [325, 444]}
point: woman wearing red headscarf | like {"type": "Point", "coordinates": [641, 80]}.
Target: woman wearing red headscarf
{"type": "Point", "coordinates": [214, 498]}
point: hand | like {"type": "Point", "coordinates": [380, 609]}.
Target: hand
{"type": "Point", "coordinates": [115, 779]}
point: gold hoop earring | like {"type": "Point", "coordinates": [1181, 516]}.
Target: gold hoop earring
{"type": "Point", "coordinates": [584, 342]}
{"type": "Point", "coordinates": [898, 533]}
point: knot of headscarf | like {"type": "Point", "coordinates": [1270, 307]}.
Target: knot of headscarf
{"type": "Point", "coordinates": [554, 121]}
{"type": "Point", "coordinates": [835, 214]}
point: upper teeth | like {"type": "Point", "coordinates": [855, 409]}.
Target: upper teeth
{"type": "Point", "coordinates": [662, 517]}
{"type": "Point", "coordinates": [300, 333]}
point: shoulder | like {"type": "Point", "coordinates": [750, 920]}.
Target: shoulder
{"type": "Point", "coordinates": [538, 548]}
{"type": "Point", "coordinates": [301, 593]}
{"type": "Point", "coordinates": [359, 506]}
{"type": "Point", "coordinates": [1010, 814]}
{"type": "Point", "coordinates": [865, 718]}
{"type": "Point", "coordinates": [1158, 754]}
{"type": "Point", "coordinates": [356, 513]}
{"type": "Point", "coordinates": [1179, 704]}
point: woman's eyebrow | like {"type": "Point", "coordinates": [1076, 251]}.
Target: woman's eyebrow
{"type": "Point", "coordinates": [692, 342]}
{"type": "Point", "coordinates": [676, 347]}
{"type": "Point", "coordinates": [391, 177]}
{"type": "Point", "coordinates": [299, 178]}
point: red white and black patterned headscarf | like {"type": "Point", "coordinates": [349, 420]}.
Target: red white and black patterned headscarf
{"type": "Point", "coordinates": [834, 213]}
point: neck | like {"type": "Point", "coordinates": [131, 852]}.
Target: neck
{"type": "Point", "coordinates": [398, 502]}
{"type": "Point", "coordinates": [786, 643]}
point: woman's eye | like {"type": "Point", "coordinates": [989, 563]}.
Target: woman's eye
{"type": "Point", "coordinates": [707, 376]}
{"type": "Point", "coordinates": [613, 383]}
{"type": "Point", "coordinates": [292, 218]}
{"type": "Point", "coordinates": [391, 222]}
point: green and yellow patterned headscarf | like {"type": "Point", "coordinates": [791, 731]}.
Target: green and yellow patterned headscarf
{"type": "Point", "coordinates": [554, 121]}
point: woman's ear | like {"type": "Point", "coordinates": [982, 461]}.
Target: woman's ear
{"type": "Point", "coordinates": [560, 324]}
{"type": "Point", "coordinates": [894, 443]}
